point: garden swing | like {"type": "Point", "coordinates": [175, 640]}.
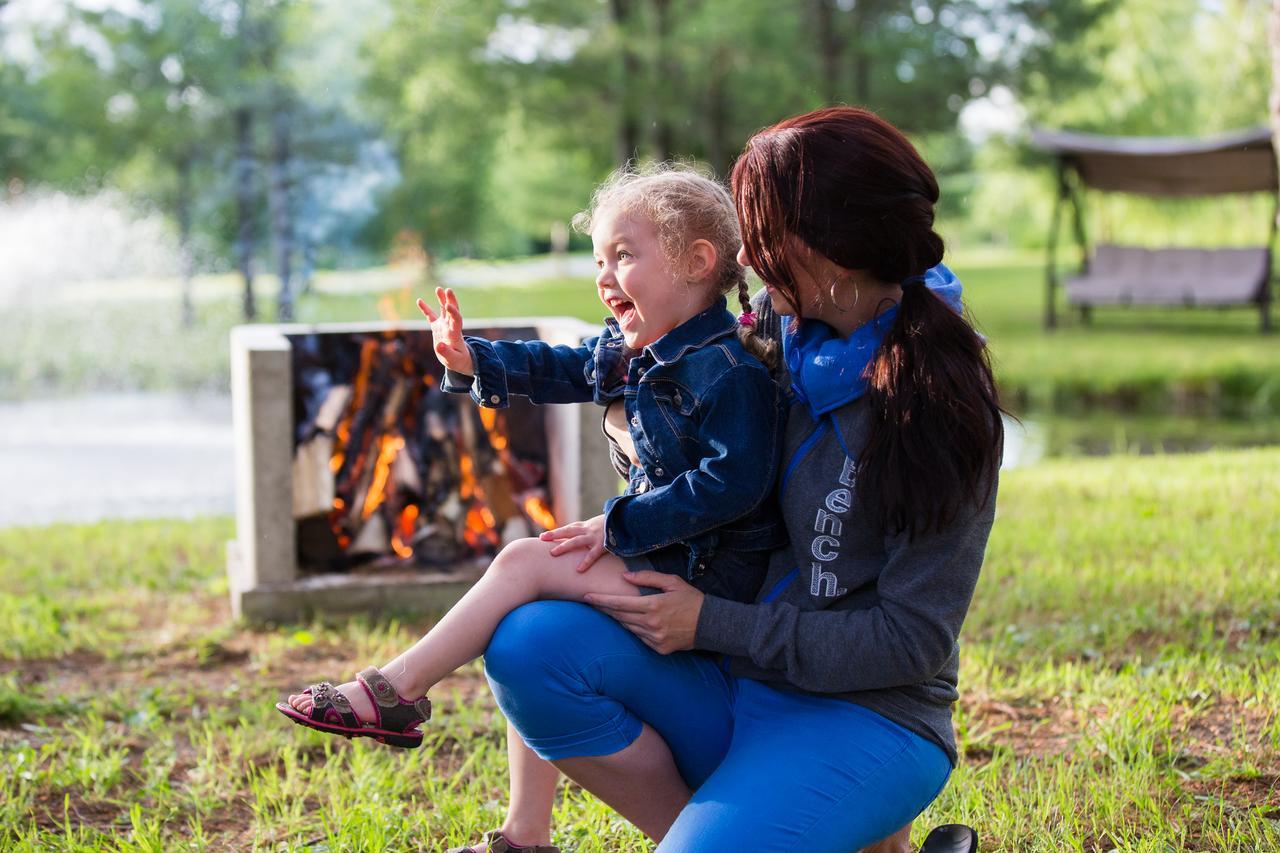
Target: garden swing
{"type": "Point", "coordinates": [1111, 275]}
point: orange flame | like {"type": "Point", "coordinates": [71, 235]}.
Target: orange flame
{"type": "Point", "coordinates": [468, 485]}
{"type": "Point", "coordinates": [489, 417]}
{"type": "Point", "coordinates": [367, 351]}
{"type": "Point", "coordinates": [406, 525]}
{"type": "Point", "coordinates": [389, 447]}
{"type": "Point", "coordinates": [537, 510]}
{"type": "Point", "coordinates": [408, 519]}
{"type": "Point", "coordinates": [480, 530]}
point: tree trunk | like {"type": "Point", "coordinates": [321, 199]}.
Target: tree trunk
{"type": "Point", "coordinates": [664, 143]}
{"type": "Point", "coordinates": [282, 210]}
{"type": "Point", "coordinates": [186, 258]}
{"type": "Point", "coordinates": [307, 269]}
{"type": "Point", "coordinates": [628, 139]}
{"type": "Point", "coordinates": [862, 58]}
{"type": "Point", "coordinates": [831, 49]}
{"type": "Point", "coordinates": [719, 110]}
{"type": "Point", "coordinates": [244, 206]}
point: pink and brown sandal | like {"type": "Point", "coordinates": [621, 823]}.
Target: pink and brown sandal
{"type": "Point", "coordinates": [496, 842]}
{"type": "Point", "coordinates": [398, 718]}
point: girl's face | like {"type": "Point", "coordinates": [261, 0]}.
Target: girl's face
{"type": "Point", "coordinates": [635, 280]}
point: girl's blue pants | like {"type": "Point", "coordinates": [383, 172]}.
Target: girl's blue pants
{"type": "Point", "coordinates": [770, 769]}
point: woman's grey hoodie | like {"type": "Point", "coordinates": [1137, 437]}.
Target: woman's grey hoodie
{"type": "Point", "coordinates": [847, 610]}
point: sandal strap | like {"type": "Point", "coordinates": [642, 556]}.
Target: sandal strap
{"type": "Point", "coordinates": [327, 702]}
{"type": "Point", "coordinates": [499, 843]}
{"type": "Point", "coordinates": [395, 713]}
{"type": "Point", "coordinates": [496, 842]}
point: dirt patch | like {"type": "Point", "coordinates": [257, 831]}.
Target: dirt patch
{"type": "Point", "coordinates": [39, 670]}
{"type": "Point", "coordinates": [56, 808]}
{"type": "Point", "coordinates": [1252, 792]}
{"type": "Point", "coordinates": [207, 656]}
{"type": "Point", "coordinates": [1202, 732]}
{"type": "Point", "coordinates": [1030, 729]}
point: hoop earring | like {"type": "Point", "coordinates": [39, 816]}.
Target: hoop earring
{"type": "Point", "coordinates": [857, 294]}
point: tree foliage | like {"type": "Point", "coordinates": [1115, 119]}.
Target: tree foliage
{"type": "Point", "coordinates": [476, 126]}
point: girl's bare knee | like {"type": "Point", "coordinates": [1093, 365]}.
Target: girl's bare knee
{"type": "Point", "coordinates": [522, 555]}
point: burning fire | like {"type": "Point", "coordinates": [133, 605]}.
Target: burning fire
{"type": "Point", "coordinates": [404, 530]}
{"type": "Point", "coordinates": [537, 509]}
{"type": "Point", "coordinates": [381, 471]}
{"type": "Point", "coordinates": [489, 417]}
{"type": "Point", "coordinates": [436, 478]}
{"type": "Point", "coordinates": [480, 530]}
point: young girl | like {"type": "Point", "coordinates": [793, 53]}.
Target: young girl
{"type": "Point", "coordinates": [695, 415]}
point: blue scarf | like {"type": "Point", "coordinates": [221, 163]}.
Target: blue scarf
{"type": "Point", "coordinates": [827, 370]}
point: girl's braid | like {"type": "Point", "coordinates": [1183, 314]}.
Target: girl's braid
{"type": "Point", "coordinates": [755, 339]}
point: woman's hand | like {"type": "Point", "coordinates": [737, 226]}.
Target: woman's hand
{"type": "Point", "coordinates": [587, 534]}
{"type": "Point", "coordinates": [446, 332]}
{"type": "Point", "coordinates": [667, 621]}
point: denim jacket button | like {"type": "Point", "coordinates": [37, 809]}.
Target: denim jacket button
{"type": "Point", "coordinates": [635, 420]}
{"type": "Point", "coordinates": [495, 398]}
{"type": "Point", "coordinates": [658, 471]}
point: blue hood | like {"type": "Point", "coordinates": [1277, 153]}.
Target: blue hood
{"type": "Point", "coordinates": [827, 370]}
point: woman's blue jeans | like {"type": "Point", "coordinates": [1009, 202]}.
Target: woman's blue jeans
{"type": "Point", "coordinates": [770, 769]}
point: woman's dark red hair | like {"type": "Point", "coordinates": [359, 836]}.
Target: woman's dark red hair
{"type": "Point", "coordinates": [854, 189]}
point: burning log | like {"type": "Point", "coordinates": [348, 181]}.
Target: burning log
{"type": "Point", "coordinates": [401, 472]}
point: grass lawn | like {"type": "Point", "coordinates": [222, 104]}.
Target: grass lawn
{"type": "Point", "coordinates": [1154, 360]}
{"type": "Point", "coordinates": [1120, 687]}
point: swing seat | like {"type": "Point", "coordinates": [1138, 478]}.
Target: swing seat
{"type": "Point", "coordinates": [1131, 275]}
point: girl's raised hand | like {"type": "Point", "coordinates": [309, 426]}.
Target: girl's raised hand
{"type": "Point", "coordinates": [588, 535]}
{"type": "Point", "coordinates": [446, 332]}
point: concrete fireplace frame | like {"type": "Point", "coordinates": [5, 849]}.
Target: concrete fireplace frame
{"type": "Point", "coordinates": [265, 581]}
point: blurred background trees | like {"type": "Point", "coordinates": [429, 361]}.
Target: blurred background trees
{"type": "Point", "coordinates": [281, 135]}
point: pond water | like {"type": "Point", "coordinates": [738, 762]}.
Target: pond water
{"type": "Point", "coordinates": [1036, 437]}
{"type": "Point", "coordinates": [156, 455]}
{"type": "Point", "coordinates": [84, 459]}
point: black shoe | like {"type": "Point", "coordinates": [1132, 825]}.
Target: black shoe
{"type": "Point", "coordinates": [951, 838]}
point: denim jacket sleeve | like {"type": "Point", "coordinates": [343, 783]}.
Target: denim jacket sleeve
{"type": "Point", "coordinates": [734, 477]}
{"type": "Point", "coordinates": [533, 369]}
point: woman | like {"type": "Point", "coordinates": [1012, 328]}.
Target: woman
{"type": "Point", "coordinates": [818, 717]}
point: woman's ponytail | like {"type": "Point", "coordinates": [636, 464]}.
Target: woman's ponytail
{"type": "Point", "coordinates": [852, 188]}
{"type": "Point", "coordinates": [936, 435]}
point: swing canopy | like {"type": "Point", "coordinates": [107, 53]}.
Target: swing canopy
{"type": "Point", "coordinates": [1237, 162]}
{"type": "Point", "coordinates": [1242, 161]}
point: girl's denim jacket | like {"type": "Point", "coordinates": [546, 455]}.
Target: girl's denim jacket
{"type": "Point", "coordinates": [706, 418]}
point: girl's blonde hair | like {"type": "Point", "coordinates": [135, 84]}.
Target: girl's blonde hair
{"type": "Point", "coordinates": [684, 204]}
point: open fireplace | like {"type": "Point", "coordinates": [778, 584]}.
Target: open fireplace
{"type": "Point", "coordinates": [361, 486]}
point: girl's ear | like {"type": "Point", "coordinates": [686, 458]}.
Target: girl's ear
{"type": "Point", "coordinates": [701, 260]}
